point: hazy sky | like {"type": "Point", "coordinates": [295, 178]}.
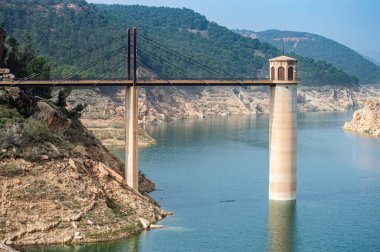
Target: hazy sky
{"type": "Point", "coordinates": [355, 23]}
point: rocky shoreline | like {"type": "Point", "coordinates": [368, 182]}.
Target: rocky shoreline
{"type": "Point", "coordinates": [58, 184]}
{"type": "Point", "coordinates": [70, 201]}
{"type": "Point", "coordinates": [366, 120]}
{"type": "Point", "coordinates": [4, 248]}
{"type": "Point", "coordinates": [104, 115]}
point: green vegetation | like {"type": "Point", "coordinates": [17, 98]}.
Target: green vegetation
{"type": "Point", "coordinates": [29, 137]}
{"type": "Point", "coordinates": [74, 113]}
{"type": "Point", "coordinates": [79, 138]}
{"type": "Point", "coordinates": [321, 48]}
{"type": "Point", "coordinates": [142, 175]}
{"type": "Point", "coordinates": [314, 72]}
{"type": "Point", "coordinates": [38, 132]}
{"type": "Point", "coordinates": [9, 116]}
{"type": "Point", "coordinates": [24, 63]}
{"type": "Point", "coordinates": [10, 169]}
{"type": "Point", "coordinates": [25, 136]}
{"type": "Point", "coordinates": [61, 31]}
{"type": "Point", "coordinates": [62, 96]}
{"type": "Point", "coordinates": [116, 208]}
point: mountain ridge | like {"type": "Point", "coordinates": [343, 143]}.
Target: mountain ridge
{"type": "Point", "coordinates": [320, 48]}
{"type": "Point", "coordinates": [63, 29]}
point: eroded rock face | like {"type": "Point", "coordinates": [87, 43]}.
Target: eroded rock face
{"type": "Point", "coordinates": [52, 117]}
{"type": "Point", "coordinates": [6, 75]}
{"type": "Point", "coordinates": [104, 115]}
{"type": "Point", "coordinates": [69, 201]}
{"type": "Point", "coordinates": [61, 185]}
{"type": "Point", "coordinates": [4, 248]}
{"type": "Point", "coordinates": [366, 120]}
{"type": "Point", "coordinates": [20, 100]}
{"type": "Point", "coordinates": [164, 104]}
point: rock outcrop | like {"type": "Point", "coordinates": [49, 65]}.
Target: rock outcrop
{"type": "Point", "coordinates": [366, 120]}
{"type": "Point", "coordinates": [54, 119]}
{"type": "Point", "coordinates": [48, 202]}
{"type": "Point", "coordinates": [104, 115]}
{"type": "Point", "coordinates": [5, 74]}
{"type": "Point", "coordinates": [58, 183]}
{"type": "Point", "coordinates": [4, 248]}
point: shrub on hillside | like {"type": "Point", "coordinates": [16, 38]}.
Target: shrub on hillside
{"type": "Point", "coordinates": [38, 132]}
{"type": "Point", "coordinates": [9, 116]}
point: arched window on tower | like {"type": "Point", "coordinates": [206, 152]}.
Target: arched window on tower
{"type": "Point", "coordinates": [290, 73]}
{"type": "Point", "coordinates": [272, 73]}
{"type": "Point", "coordinates": [281, 73]}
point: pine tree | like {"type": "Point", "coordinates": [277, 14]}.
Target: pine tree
{"type": "Point", "coordinates": [3, 49]}
{"type": "Point", "coordinates": [13, 59]}
{"type": "Point", "coordinates": [28, 51]}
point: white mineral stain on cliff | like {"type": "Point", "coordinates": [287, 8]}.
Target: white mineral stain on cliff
{"type": "Point", "coordinates": [105, 112]}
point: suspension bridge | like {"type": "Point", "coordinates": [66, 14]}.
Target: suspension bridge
{"type": "Point", "coordinates": [283, 102]}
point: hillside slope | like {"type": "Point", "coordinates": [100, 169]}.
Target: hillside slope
{"type": "Point", "coordinates": [58, 184]}
{"type": "Point", "coordinates": [320, 48]}
{"type": "Point", "coordinates": [62, 29]}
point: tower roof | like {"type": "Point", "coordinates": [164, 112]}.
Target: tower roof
{"type": "Point", "coordinates": [283, 58]}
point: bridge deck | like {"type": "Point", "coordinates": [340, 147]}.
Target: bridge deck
{"type": "Point", "coordinates": [60, 83]}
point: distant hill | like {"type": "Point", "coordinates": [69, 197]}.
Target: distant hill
{"type": "Point", "coordinates": [374, 57]}
{"type": "Point", "coordinates": [64, 28]}
{"type": "Point", "coordinates": [320, 48]}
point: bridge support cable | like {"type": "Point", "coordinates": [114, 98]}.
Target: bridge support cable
{"type": "Point", "coordinates": [160, 75]}
{"type": "Point", "coordinates": [128, 54]}
{"type": "Point", "coordinates": [91, 50]}
{"type": "Point", "coordinates": [187, 59]}
{"type": "Point", "coordinates": [160, 59]}
{"type": "Point", "coordinates": [179, 55]}
{"type": "Point", "coordinates": [111, 70]}
{"type": "Point", "coordinates": [166, 62]}
{"type": "Point", "coordinates": [31, 76]}
{"type": "Point", "coordinates": [77, 56]}
{"type": "Point", "coordinates": [86, 67]}
{"type": "Point", "coordinates": [177, 58]}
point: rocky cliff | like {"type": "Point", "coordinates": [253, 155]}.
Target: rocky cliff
{"type": "Point", "coordinates": [5, 74]}
{"type": "Point", "coordinates": [366, 120]}
{"type": "Point", "coordinates": [58, 184]}
{"type": "Point", "coordinates": [104, 114]}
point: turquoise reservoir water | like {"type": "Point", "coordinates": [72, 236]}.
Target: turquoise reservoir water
{"type": "Point", "coordinates": [213, 174]}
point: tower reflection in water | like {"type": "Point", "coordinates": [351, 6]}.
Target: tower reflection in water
{"type": "Point", "coordinates": [281, 224]}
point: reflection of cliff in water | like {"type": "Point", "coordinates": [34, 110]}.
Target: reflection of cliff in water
{"type": "Point", "coordinates": [129, 245]}
{"type": "Point", "coordinates": [234, 128]}
{"type": "Point", "coordinates": [281, 225]}
{"type": "Point", "coordinates": [133, 244]}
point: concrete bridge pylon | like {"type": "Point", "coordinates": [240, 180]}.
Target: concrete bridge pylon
{"type": "Point", "coordinates": [131, 118]}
